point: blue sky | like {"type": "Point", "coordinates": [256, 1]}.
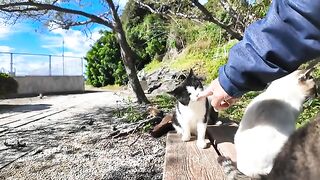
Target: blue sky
{"type": "Point", "coordinates": [29, 37]}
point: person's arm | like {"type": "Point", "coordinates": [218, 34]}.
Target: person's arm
{"type": "Point", "coordinates": [272, 47]}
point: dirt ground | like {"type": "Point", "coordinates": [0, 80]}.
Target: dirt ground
{"type": "Point", "coordinates": [67, 137]}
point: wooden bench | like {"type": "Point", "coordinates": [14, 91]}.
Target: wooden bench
{"type": "Point", "coordinates": [184, 160]}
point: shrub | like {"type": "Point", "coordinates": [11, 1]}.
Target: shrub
{"type": "Point", "coordinates": [8, 84]}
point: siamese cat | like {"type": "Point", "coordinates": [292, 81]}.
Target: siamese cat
{"type": "Point", "coordinates": [191, 115]}
{"type": "Point", "coordinates": [267, 123]}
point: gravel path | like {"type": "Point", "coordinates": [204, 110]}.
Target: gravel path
{"type": "Point", "coordinates": [67, 137]}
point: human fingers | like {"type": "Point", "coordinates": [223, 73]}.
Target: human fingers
{"type": "Point", "coordinates": [216, 103]}
{"type": "Point", "coordinates": [208, 91]}
{"type": "Point", "coordinates": [205, 93]}
{"type": "Point", "coordinates": [224, 104]}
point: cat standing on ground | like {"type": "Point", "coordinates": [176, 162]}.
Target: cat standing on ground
{"type": "Point", "coordinates": [191, 115]}
{"type": "Point", "coordinates": [269, 120]}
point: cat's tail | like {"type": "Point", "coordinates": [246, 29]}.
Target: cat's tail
{"type": "Point", "coordinates": [230, 169]}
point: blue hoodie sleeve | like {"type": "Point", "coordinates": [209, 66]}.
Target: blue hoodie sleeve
{"type": "Point", "coordinates": [274, 46]}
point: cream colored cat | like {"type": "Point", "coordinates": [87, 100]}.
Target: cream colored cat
{"type": "Point", "coordinates": [269, 120]}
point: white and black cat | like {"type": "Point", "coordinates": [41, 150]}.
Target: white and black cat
{"type": "Point", "coordinates": [191, 115]}
{"type": "Point", "coordinates": [267, 123]}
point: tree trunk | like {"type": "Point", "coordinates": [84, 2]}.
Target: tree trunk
{"type": "Point", "coordinates": [127, 56]}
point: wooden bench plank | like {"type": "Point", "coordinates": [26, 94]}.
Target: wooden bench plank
{"type": "Point", "coordinates": [183, 160]}
{"type": "Point", "coordinates": [222, 136]}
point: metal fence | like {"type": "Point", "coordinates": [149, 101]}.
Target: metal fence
{"type": "Point", "coordinates": [28, 64]}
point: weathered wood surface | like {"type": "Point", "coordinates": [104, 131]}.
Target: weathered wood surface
{"type": "Point", "coordinates": [184, 160]}
{"type": "Point", "coordinates": [222, 137]}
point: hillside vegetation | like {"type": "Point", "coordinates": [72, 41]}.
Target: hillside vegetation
{"type": "Point", "coordinates": [179, 44]}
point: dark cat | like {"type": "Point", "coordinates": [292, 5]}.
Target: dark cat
{"type": "Point", "coordinates": [191, 115]}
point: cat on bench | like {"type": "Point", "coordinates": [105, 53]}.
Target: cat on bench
{"type": "Point", "coordinates": [191, 115]}
{"type": "Point", "coordinates": [268, 122]}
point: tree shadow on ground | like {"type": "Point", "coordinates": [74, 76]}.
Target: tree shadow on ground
{"type": "Point", "coordinates": [126, 173]}
{"type": "Point", "coordinates": [50, 134]}
{"type": "Point", "coordinates": [72, 145]}
{"type": "Point", "coordinates": [23, 108]}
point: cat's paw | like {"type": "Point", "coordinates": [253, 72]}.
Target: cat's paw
{"type": "Point", "coordinates": [201, 144]}
{"type": "Point", "coordinates": [186, 138]}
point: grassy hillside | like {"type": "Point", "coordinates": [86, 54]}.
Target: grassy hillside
{"type": "Point", "coordinates": [206, 58]}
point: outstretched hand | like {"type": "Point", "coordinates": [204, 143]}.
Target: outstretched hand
{"type": "Point", "coordinates": [220, 99]}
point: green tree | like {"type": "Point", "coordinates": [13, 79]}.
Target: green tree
{"type": "Point", "coordinates": [146, 32]}
{"type": "Point", "coordinates": [104, 62]}
{"type": "Point", "coordinates": [148, 38]}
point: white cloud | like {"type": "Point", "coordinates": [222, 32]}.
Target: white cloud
{"type": "Point", "coordinates": [39, 65]}
{"type": "Point", "coordinates": [6, 48]}
{"type": "Point", "coordinates": [76, 42]}
{"type": "Point", "coordinates": [5, 58]}
{"type": "Point", "coordinates": [5, 30]}
{"type": "Point", "coordinates": [4, 62]}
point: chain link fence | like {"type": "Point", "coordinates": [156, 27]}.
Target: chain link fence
{"type": "Point", "coordinates": [28, 64]}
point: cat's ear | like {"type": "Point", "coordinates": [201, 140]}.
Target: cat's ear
{"type": "Point", "coordinates": [174, 92]}
{"type": "Point", "coordinates": [171, 92]}
{"type": "Point", "coordinates": [190, 73]}
{"type": "Point", "coordinates": [306, 75]}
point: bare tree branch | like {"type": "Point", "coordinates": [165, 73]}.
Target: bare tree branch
{"type": "Point", "coordinates": [31, 6]}
{"type": "Point", "coordinates": [207, 16]}
{"type": "Point", "coordinates": [236, 16]}
{"type": "Point", "coordinates": [149, 8]}
{"type": "Point", "coordinates": [67, 25]}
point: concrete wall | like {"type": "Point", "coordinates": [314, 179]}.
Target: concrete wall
{"type": "Point", "coordinates": [49, 84]}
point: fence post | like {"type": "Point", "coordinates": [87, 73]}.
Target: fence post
{"type": "Point", "coordinates": [81, 66]}
{"type": "Point", "coordinates": [63, 56]}
{"type": "Point", "coordinates": [50, 65]}
{"type": "Point", "coordinates": [11, 64]}
{"type": "Point", "coordinates": [62, 65]}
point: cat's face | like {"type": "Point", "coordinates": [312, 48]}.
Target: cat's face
{"type": "Point", "coordinates": [307, 83]}
{"type": "Point", "coordinates": [301, 80]}
{"type": "Point", "coordinates": [189, 88]}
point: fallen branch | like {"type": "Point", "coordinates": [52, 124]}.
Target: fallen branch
{"type": "Point", "coordinates": [135, 140]}
{"type": "Point", "coordinates": [132, 128]}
